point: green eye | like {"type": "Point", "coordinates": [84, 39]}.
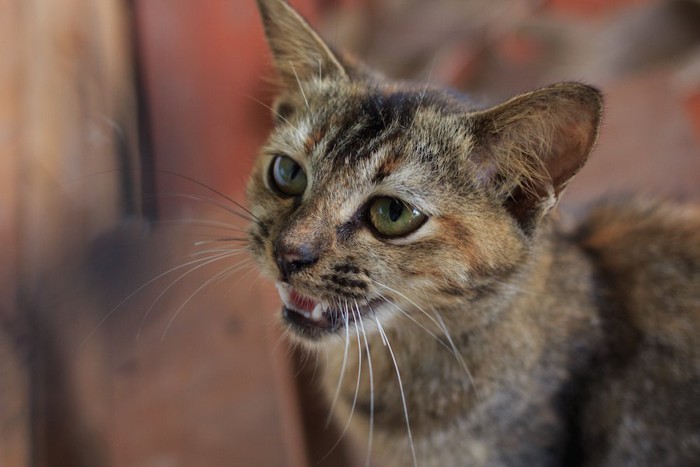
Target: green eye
{"type": "Point", "coordinates": [288, 176]}
{"type": "Point", "coordinates": [393, 218]}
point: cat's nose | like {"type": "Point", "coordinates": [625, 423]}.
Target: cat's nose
{"type": "Point", "coordinates": [291, 259]}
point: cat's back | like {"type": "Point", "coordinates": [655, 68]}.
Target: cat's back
{"type": "Point", "coordinates": [643, 405]}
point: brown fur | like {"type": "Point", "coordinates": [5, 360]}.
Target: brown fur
{"type": "Point", "coordinates": [517, 344]}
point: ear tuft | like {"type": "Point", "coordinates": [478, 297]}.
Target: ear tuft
{"type": "Point", "coordinates": [299, 53]}
{"type": "Point", "coordinates": [529, 148]}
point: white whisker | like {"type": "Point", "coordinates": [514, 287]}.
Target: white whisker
{"type": "Point", "coordinates": [201, 223]}
{"type": "Point", "coordinates": [371, 392]}
{"type": "Point", "coordinates": [415, 321]}
{"type": "Point", "coordinates": [280, 116]}
{"type": "Point", "coordinates": [457, 353]}
{"type": "Point", "coordinates": [342, 372]}
{"type": "Point", "coordinates": [301, 88]}
{"type": "Point", "coordinates": [424, 92]}
{"type": "Point", "coordinates": [403, 395]}
{"type": "Point", "coordinates": [357, 384]}
{"type": "Point", "coordinates": [172, 284]}
{"type": "Point", "coordinates": [430, 317]}
{"type": "Point", "coordinates": [302, 364]}
{"type": "Point", "coordinates": [248, 216]}
{"type": "Point", "coordinates": [441, 325]}
{"type": "Point", "coordinates": [140, 288]}
{"type": "Point", "coordinates": [218, 276]}
{"type": "Point", "coordinates": [219, 240]}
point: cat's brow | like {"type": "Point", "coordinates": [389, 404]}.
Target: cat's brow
{"type": "Point", "coordinates": [369, 122]}
{"type": "Point", "coordinates": [388, 166]}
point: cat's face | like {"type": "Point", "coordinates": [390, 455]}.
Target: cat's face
{"type": "Point", "coordinates": [382, 209]}
{"type": "Point", "coordinates": [376, 199]}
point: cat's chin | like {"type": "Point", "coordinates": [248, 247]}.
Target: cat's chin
{"type": "Point", "coordinates": [312, 319]}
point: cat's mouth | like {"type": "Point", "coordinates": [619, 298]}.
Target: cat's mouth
{"type": "Point", "coordinates": [313, 318]}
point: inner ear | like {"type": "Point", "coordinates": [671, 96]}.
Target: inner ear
{"type": "Point", "coordinates": [528, 149]}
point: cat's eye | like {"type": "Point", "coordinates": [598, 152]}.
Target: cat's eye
{"type": "Point", "coordinates": [391, 217]}
{"type": "Point", "coordinates": [288, 176]}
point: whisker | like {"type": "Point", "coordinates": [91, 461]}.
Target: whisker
{"type": "Point", "coordinates": [457, 353]}
{"type": "Point", "coordinates": [252, 271]}
{"type": "Point", "coordinates": [430, 317]}
{"type": "Point", "coordinates": [357, 385]}
{"type": "Point", "coordinates": [424, 92]}
{"type": "Point", "coordinates": [279, 115]}
{"type": "Point", "coordinates": [379, 111]}
{"type": "Point", "coordinates": [201, 223]}
{"type": "Point", "coordinates": [303, 362]}
{"type": "Point", "coordinates": [441, 325]}
{"type": "Point", "coordinates": [342, 372]}
{"type": "Point", "coordinates": [371, 391]}
{"type": "Point", "coordinates": [427, 82]}
{"type": "Point", "coordinates": [300, 86]}
{"type": "Point", "coordinates": [220, 240]}
{"type": "Point", "coordinates": [140, 288]}
{"type": "Point", "coordinates": [213, 190]}
{"type": "Point", "coordinates": [248, 216]}
{"type": "Point", "coordinates": [173, 283]}
{"type": "Point", "coordinates": [252, 218]}
{"type": "Point", "coordinates": [313, 375]}
{"type": "Point", "coordinates": [403, 395]}
{"type": "Point", "coordinates": [414, 320]}
{"type": "Point", "coordinates": [216, 277]}
{"type": "Point", "coordinates": [286, 331]}
{"type": "Point", "coordinates": [218, 250]}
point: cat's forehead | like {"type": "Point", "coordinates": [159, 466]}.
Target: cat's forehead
{"type": "Point", "coordinates": [388, 136]}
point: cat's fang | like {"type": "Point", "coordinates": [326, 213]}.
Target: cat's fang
{"type": "Point", "coordinates": [282, 290]}
{"type": "Point", "coordinates": [317, 312]}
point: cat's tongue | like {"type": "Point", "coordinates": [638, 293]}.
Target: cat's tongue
{"type": "Point", "coordinates": [300, 302]}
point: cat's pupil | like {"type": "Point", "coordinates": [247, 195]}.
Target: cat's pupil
{"type": "Point", "coordinates": [295, 172]}
{"type": "Point", "coordinates": [395, 210]}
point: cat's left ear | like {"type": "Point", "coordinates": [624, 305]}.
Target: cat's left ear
{"type": "Point", "coordinates": [528, 149]}
{"type": "Point", "coordinates": [299, 53]}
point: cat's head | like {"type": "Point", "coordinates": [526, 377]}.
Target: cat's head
{"type": "Point", "coordinates": [374, 197]}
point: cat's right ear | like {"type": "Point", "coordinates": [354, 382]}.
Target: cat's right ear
{"type": "Point", "coordinates": [299, 53]}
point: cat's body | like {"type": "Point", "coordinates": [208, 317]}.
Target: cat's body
{"type": "Point", "coordinates": [409, 232]}
{"type": "Point", "coordinates": [592, 364]}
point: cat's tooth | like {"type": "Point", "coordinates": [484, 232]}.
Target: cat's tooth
{"type": "Point", "coordinates": [318, 312]}
{"type": "Point", "coordinates": [284, 294]}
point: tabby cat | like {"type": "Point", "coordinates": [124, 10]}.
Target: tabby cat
{"type": "Point", "coordinates": [411, 239]}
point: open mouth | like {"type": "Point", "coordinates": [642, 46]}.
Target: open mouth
{"type": "Point", "coordinates": [312, 318]}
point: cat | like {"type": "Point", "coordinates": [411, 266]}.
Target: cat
{"type": "Point", "coordinates": [412, 239]}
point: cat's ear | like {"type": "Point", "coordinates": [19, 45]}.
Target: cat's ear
{"type": "Point", "coordinates": [299, 53]}
{"type": "Point", "coordinates": [528, 149]}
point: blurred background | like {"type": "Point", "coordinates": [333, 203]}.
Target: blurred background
{"type": "Point", "coordinates": [133, 332]}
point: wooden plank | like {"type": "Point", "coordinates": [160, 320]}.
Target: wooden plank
{"type": "Point", "coordinates": [66, 127]}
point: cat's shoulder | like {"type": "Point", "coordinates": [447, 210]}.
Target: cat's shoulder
{"type": "Point", "coordinates": [648, 255]}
